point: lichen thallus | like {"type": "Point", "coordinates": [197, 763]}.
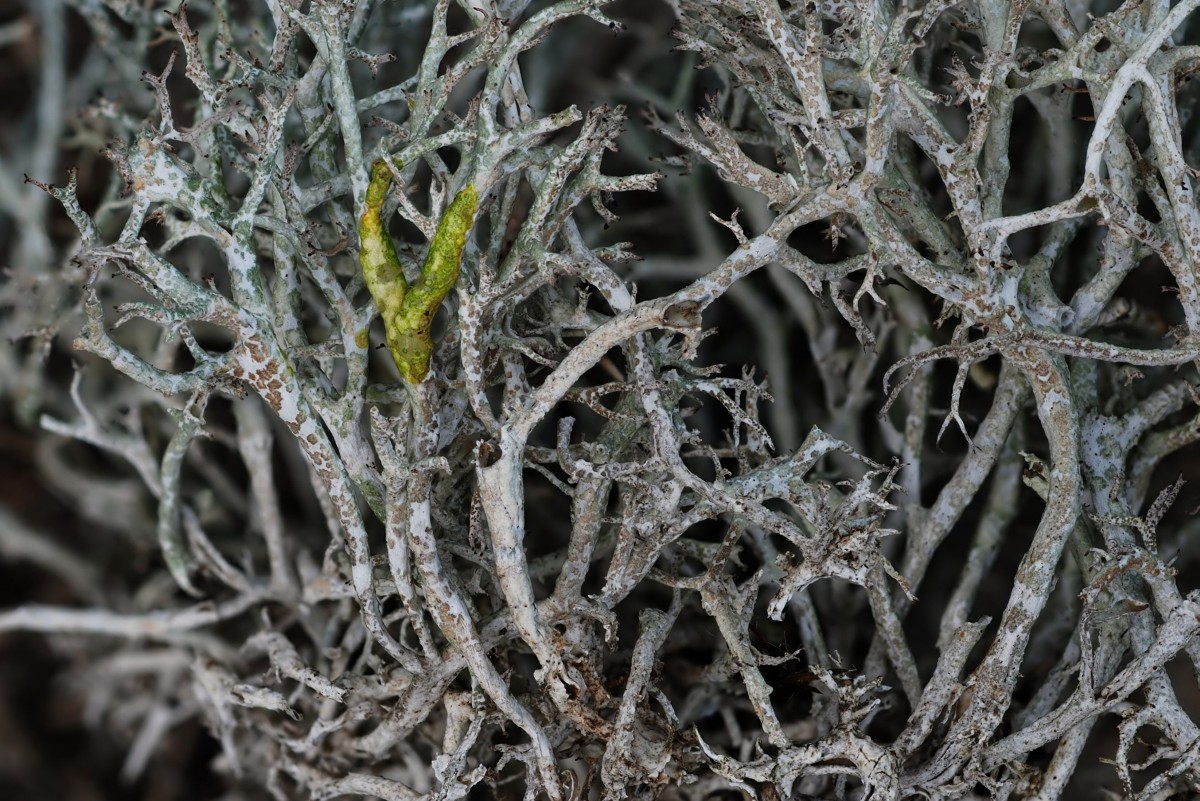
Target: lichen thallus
{"type": "Point", "coordinates": [408, 310]}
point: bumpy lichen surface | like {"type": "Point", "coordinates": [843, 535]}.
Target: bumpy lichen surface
{"type": "Point", "coordinates": [408, 311]}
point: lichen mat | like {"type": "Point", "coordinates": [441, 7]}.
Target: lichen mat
{"type": "Point", "coordinates": [408, 311]}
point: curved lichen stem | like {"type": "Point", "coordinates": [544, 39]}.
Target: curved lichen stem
{"type": "Point", "coordinates": [376, 253]}
{"type": "Point", "coordinates": [408, 311]}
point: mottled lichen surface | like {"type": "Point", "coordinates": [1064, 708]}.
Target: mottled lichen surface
{"type": "Point", "coordinates": [408, 311]}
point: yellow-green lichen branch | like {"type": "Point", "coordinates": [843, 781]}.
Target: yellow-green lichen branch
{"type": "Point", "coordinates": [408, 311]}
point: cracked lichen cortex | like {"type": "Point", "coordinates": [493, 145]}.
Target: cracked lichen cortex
{"type": "Point", "coordinates": [408, 311]}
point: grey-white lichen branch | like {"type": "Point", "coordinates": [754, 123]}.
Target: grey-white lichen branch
{"type": "Point", "coordinates": [862, 576]}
